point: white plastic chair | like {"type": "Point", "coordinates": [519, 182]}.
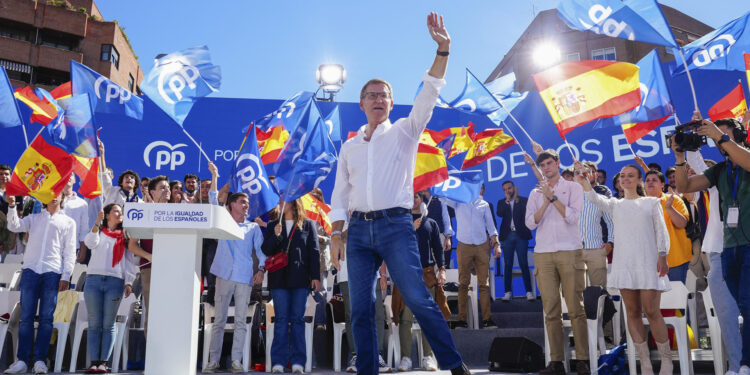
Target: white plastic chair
{"type": "Point", "coordinates": [121, 338]}
{"type": "Point", "coordinates": [617, 318]}
{"type": "Point", "coordinates": [597, 345]}
{"type": "Point", "coordinates": [13, 258]}
{"type": "Point", "coordinates": [692, 310]}
{"type": "Point", "coordinates": [209, 312]}
{"type": "Point", "coordinates": [81, 325]}
{"type": "Point", "coordinates": [7, 272]}
{"type": "Point", "coordinates": [338, 333]}
{"type": "Point", "coordinates": [63, 329]}
{"type": "Point", "coordinates": [75, 278]}
{"type": "Point", "coordinates": [11, 327]}
{"type": "Point", "coordinates": [677, 298]}
{"type": "Point", "coordinates": [309, 322]}
{"type": "Point", "coordinates": [472, 316]}
{"type": "Point", "coordinates": [714, 328]}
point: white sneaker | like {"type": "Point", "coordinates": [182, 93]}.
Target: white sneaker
{"type": "Point", "coordinates": [429, 363]}
{"type": "Point", "coordinates": [405, 364]}
{"type": "Point", "coordinates": [18, 367]}
{"type": "Point", "coordinates": [211, 367]}
{"type": "Point", "coordinates": [277, 369]}
{"type": "Point", "coordinates": [352, 368]}
{"type": "Point", "coordinates": [744, 370]}
{"type": "Point", "coordinates": [530, 296]}
{"type": "Point", "coordinates": [384, 368]}
{"type": "Point", "coordinates": [298, 369]}
{"type": "Point", "coordinates": [507, 297]}
{"type": "Point", "coordinates": [40, 368]}
{"type": "Point", "coordinates": [237, 367]}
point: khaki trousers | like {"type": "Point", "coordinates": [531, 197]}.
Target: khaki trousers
{"type": "Point", "coordinates": [475, 257]}
{"type": "Point", "coordinates": [563, 269]}
{"type": "Point", "coordinates": [596, 266]}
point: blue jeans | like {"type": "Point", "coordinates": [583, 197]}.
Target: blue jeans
{"type": "Point", "coordinates": [36, 290]}
{"type": "Point", "coordinates": [515, 244]}
{"type": "Point", "coordinates": [735, 262]}
{"type": "Point", "coordinates": [679, 273]}
{"type": "Point", "coordinates": [102, 295]}
{"type": "Point", "coordinates": [393, 239]}
{"type": "Point", "coordinates": [726, 310]}
{"type": "Point", "coordinates": [289, 306]}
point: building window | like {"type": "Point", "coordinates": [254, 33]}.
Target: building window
{"type": "Point", "coordinates": [573, 56]}
{"type": "Point", "coordinates": [13, 30]}
{"type": "Point", "coordinates": [109, 53]}
{"type": "Point", "coordinates": [131, 82]}
{"type": "Point", "coordinates": [17, 71]}
{"type": "Point", "coordinates": [60, 40]}
{"type": "Point", "coordinates": [604, 54]}
{"type": "Point", "coordinates": [50, 77]}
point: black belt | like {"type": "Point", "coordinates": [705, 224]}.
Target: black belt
{"type": "Point", "coordinates": [375, 215]}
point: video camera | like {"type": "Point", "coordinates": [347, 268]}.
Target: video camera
{"type": "Point", "coordinates": [686, 138]}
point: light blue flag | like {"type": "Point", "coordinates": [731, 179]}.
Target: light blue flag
{"type": "Point", "coordinates": [10, 116]}
{"type": "Point", "coordinates": [249, 176]}
{"type": "Point", "coordinates": [333, 121]}
{"type": "Point", "coordinates": [502, 89]}
{"type": "Point", "coordinates": [720, 49]}
{"type": "Point", "coordinates": [306, 159]}
{"type": "Point", "coordinates": [638, 20]}
{"type": "Point", "coordinates": [475, 98]}
{"type": "Point", "coordinates": [178, 79]}
{"type": "Point", "coordinates": [105, 95]}
{"type": "Point", "coordinates": [655, 100]}
{"type": "Point", "coordinates": [439, 102]}
{"type": "Point", "coordinates": [461, 185]}
{"type": "Point", "coordinates": [510, 102]}
{"type": "Point", "coordinates": [288, 114]}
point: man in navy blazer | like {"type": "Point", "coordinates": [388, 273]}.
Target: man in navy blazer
{"type": "Point", "coordinates": [515, 237]}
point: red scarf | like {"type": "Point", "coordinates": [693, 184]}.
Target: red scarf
{"type": "Point", "coordinates": [118, 250]}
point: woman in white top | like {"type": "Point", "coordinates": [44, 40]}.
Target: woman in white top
{"type": "Point", "coordinates": [110, 272]}
{"type": "Point", "coordinates": [639, 263]}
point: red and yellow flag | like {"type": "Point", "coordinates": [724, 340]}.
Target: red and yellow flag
{"type": "Point", "coordinates": [732, 105]}
{"type": "Point", "coordinates": [486, 145]}
{"type": "Point", "coordinates": [464, 138]}
{"type": "Point", "coordinates": [430, 137]}
{"type": "Point", "coordinates": [42, 171]}
{"type": "Point", "coordinates": [637, 130]}
{"type": "Point", "coordinates": [87, 170]}
{"type": "Point", "coordinates": [431, 167]}
{"type": "Point", "coordinates": [44, 112]}
{"type": "Point", "coordinates": [747, 68]}
{"type": "Point", "coordinates": [271, 142]}
{"type": "Point", "coordinates": [62, 92]}
{"type": "Point", "coordinates": [317, 211]}
{"type": "Point", "coordinates": [577, 92]}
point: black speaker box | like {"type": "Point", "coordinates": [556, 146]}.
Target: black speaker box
{"type": "Point", "coordinates": [515, 354]}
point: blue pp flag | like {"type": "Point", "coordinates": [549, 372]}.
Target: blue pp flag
{"type": "Point", "coordinates": [502, 89]}
{"type": "Point", "coordinates": [461, 185]}
{"type": "Point", "coordinates": [249, 176]}
{"type": "Point", "coordinates": [655, 99]}
{"type": "Point", "coordinates": [288, 114]}
{"type": "Point", "coordinates": [306, 159]}
{"type": "Point", "coordinates": [76, 135]}
{"type": "Point", "coordinates": [178, 79]}
{"type": "Point", "coordinates": [105, 95]}
{"type": "Point", "coordinates": [333, 121]}
{"type": "Point", "coordinates": [475, 98]}
{"type": "Point", "coordinates": [10, 116]}
{"type": "Point", "coordinates": [720, 49]}
{"type": "Point", "coordinates": [637, 20]}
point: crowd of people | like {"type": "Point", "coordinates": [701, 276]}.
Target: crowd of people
{"type": "Point", "coordinates": [650, 230]}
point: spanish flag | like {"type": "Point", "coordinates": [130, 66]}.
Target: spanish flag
{"type": "Point", "coordinates": [747, 68]}
{"type": "Point", "coordinates": [87, 170]}
{"type": "Point", "coordinates": [43, 111]}
{"type": "Point", "coordinates": [42, 171]}
{"type": "Point", "coordinates": [464, 138]}
{"type": "Point", "coordinates": [637, 130]}
{"type": "Point", "coordinates": [431, 167]}
{"type": "Point", "coordinates": [731, 106]}
{"type": "Point", "coordinates": [431, 137]}
{"type": "Point", "coordinates": [271, 142]}
{"type": "Point", "coordinates": [486, 145]}
{"type": "Point", "coordinates": [577, 92]}
{"type": "Point", "coordinates": [317, 211]}
{"type": "Point", "coordinates": [62, 92]}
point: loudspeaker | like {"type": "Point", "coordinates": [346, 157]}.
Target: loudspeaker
{"type": "Point", "coordinates": [515, 354]}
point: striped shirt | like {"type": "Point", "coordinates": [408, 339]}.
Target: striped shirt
{"type": "Point", "coordinates": [590, 224]}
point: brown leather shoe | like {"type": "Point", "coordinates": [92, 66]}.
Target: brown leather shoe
{"type": "Point", "coordinates": [554, 368]}
{"type": "Point", "coordinates": [461, 370]}
{"type": "Point", "coordinates": [582, 368]}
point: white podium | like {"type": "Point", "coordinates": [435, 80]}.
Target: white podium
{"type": "Point", "coordinates": [177, 230]}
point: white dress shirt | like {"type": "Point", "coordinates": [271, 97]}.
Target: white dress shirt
{"type": "Point", "coordinates": [101, 258]}
{"type": "Point", "coordinates": [474, 221]}
{"type": "Point", "coordinates": [113, 194]}
{"type": "Point", "coordinates": [52, 241]}
{"type": "Point", "coordinates": [78, 210]}
{"type": "Point", "coordinates": [379, 174]}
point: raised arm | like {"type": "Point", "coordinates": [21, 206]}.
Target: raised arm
{"type": "Point", "coordinates": [440, 35]}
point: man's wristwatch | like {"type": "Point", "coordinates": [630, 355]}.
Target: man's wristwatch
{"type": "Point", "coordinates": [554, 198]}
{"type": "Point", "coordinates": [724, 138]}
{"type": "Point", "coordinates": [442, 53]}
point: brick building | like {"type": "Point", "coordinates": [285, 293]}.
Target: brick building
{"type": "Point", "coordinates": [548, 29]}
{"type": "Point", "coordinates": [39, 38]}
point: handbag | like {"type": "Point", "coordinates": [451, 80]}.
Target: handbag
{"type": "Point", "coordinates": [279, 260]}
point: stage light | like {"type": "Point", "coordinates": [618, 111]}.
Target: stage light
{"type": "Point", "coordinates": [546, 54]}
{"type": "Point", "coordinates": [331, 78]}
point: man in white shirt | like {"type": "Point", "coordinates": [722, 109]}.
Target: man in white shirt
{"type": "Point", "coordinates": [374, 191]}
{"type": "Point", "coordinates": [47, 266]}
{"type": "Point", "coordinates": [474, 221]}
{"type": "Point", "coordinates": [78, 210]}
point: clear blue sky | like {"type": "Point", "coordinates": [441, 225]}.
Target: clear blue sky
{"type": "Point", "coordinates": [271, 49]}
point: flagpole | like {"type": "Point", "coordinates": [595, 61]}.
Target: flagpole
{"type": "Point", "coordinates": [570, 149]}
{"type": "Point", "coordinates": [196, 144]}
{"type": "Point", "coordinates": [25, 137]}
{"type": "Point", "coordinates": [690, 80]}
{"type": "Point", "coordinates": [23, 123]}
{"type": "Point", "coordinates": [515, 120]}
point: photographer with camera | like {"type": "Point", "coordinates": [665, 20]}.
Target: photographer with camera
{"type": "Point", "coordinates": [732, 179]}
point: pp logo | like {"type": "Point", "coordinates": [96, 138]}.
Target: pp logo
{"type": "Point", "coordinates": [719, 47]}
{"type": "Point", "coordinates": [178, 77]}
{"type": "Point", "coordinates": [599, 15]}
{"type": "Point", "coordinates": [450, 183]}
{"type": "Point", "coordinates": [111, 91]}
{"type": "Point", "coordinates": [135, 214]}
{"type": "Point", "coordinates": [169, 156]}
{"type": "Point", "coordinates": [251, 173]}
